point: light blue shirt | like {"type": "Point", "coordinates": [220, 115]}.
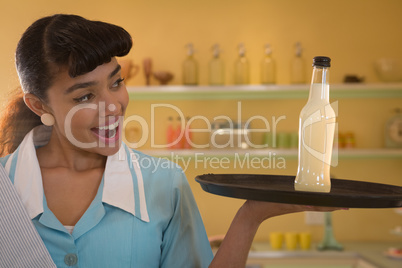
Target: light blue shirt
{"type": "Point", "coordinates": [143, 215]}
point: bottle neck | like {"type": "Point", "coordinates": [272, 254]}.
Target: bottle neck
{"type": "Point", "coordinates": [319, 89]}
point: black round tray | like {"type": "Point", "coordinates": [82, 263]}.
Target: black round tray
{"type": "Point", "coordinates": [280, 189]}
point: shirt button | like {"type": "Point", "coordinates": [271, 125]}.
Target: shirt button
{"type": "Point", "coordinates": [71, 259]}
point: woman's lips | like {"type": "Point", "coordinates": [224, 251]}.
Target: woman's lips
{"type": "Point", "coordinates": [109, 133]}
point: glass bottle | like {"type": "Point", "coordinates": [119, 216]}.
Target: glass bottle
{"type": "Point", "coordinates": [297, 72]}
{"type": "Point", "coordinates": [170, 133]}
{"type": "Point", "coordinates": [188, 137]}
{"type": "Point", "coordinates": [178, 134]}
{"type": "Point", "coordinates": [316, 133]}
{"type": "Point", "coordinates": [190, 67]}
{"type": "Point", "coordinates": [241, 68]}
{"type": "Point", "coordinates": [393, 130]}
{"type": "Point", "coordinates": [216, 70]}
{"type": "Point", "coordinates": [268, 67]}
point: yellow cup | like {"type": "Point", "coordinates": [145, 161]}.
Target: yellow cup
{"type": "Point", "coordinates": [305, 240]}
{"type": "Point", "coordinates": [291, 240]}
{"type": "Point", "coordinates": [276, 240]}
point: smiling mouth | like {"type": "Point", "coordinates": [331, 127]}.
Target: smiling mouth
{"type": "Point", "coordinates": [108, 132]}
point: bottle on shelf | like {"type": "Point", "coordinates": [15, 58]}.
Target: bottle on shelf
{"type": "Point", "coordinates": [393, 130]}
{"type": "Point", "coordinates": [170, 133]}
{"type": "Point", "coordinates": [349, 140]}
{"type": "Point", "coordinates": [190, 67]}
{"type": "Point", "coordinates": [216, 67]}
{"type": "Point", "coordinates": [316, 133]}
{"type": "Point", "coordinates": [178, 134]}
{"type": "Point", "coordinates": [241, 67]}
{"type": "Point", "coordinates": [187, 135]}
{"type": "Point", "coordinates": [297, 71]}
{"type": "Point", "coordinates": [267, 67]}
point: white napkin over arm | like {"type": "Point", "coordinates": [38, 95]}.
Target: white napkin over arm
{"type": "Point", "coordinates": [20, 243]}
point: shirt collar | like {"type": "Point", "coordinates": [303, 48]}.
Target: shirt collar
{"type": "Point", "coordinates": [120, 181]}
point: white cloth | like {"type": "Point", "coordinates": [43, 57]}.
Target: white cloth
{"type": "Point", "coordinates": [20, 243]}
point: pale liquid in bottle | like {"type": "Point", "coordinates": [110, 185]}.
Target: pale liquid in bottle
{"type": "Point", "coordinates": [316, 136]}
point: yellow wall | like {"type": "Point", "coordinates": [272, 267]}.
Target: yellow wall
{"type": "Point", "coordinates": [353, 33]}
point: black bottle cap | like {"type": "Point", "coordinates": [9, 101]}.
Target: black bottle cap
{"type": "Point", "coordinates": [322, 61]}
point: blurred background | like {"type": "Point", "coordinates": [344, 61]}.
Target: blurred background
{"type": "Point", "coordinates": [355, 34]}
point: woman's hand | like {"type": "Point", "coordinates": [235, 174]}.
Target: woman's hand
{"type": "Point", "coordinates": [234, 249]}
{"type": "Point", "coordinates": [260, 211]}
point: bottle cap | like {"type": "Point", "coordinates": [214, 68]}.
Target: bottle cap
{"type": "Point", "coordinates": [298, 49]}
{"type": "Point", "coordinates": [242, 50]}
{"type": "Point", "coordinates": [268, 50]}
{"type": "Point", "coordinates": [190, 49]}
{"type": "Point", "coordinates": [322, 61]}
{"type": "Point", "coordinates": [216, 50]}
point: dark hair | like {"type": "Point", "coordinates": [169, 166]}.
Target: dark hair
{"type": "Point", "coordinates": [50, 42]}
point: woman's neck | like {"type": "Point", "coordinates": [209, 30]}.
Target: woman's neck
{"type": "Point", "coordinates": [59, 152]}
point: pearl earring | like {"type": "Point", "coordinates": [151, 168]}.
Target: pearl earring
{"type": "Point", "coordinates": [47, 119]}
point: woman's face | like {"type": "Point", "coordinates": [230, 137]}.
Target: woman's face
{"type": "Point", "coordinates": [89, 109]}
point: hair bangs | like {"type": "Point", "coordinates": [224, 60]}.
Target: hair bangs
{"type": "Point", "coordinates": [83, 45]}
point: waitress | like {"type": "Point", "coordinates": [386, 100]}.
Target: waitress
{"type": "Point", "coordinates": [90, 199]}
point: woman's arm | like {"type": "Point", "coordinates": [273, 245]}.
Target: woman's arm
{"type": "Point", "coordinates": [234, 249]}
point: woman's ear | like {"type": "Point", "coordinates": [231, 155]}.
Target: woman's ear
{"type": "Point", "coordinates": [35, 104]}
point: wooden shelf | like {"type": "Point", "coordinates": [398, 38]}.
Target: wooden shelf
{"type": "Point", "coordinates": [256, 92]}
{"type": "Point", "coordinates": [265, 92]}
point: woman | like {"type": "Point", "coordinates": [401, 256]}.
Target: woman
{"type": "Point", "coordinates": [89, 198]}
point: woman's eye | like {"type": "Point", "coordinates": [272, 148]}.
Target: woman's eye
{"type": "Point", "coordinates": [84, 98]}
{"type": "Point", "coordinates": [118, 82]}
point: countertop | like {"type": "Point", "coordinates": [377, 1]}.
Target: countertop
{"type": "Point", "coordinates": [369, 251]}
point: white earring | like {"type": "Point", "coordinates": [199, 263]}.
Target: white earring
{"type": "Point", "coordinates": [47, 119]}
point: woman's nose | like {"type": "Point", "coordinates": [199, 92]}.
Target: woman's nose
{"type": "Point", "coordinates": [109, 108]}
